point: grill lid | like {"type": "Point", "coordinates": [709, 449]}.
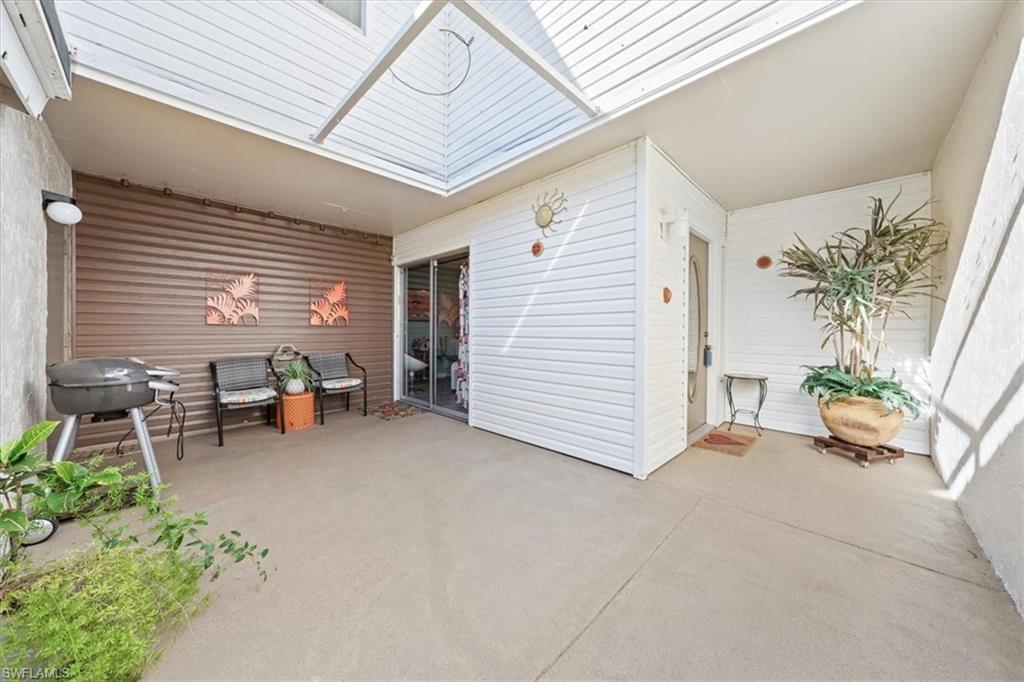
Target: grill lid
{"type": "Point", "coordinates": [96, 372]}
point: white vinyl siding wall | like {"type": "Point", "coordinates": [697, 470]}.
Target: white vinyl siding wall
{"type": "Point", "coordinates": [616, 51]}
{"type": "Point", "coordinates": [552, 339]}
{"type": "Point", "coordinates": [671, 197]}
{"type": "Point", "coordinates": [769, 333]}
{"type": "Point", "coordinates": [278, 67]}
{"type": "Point", "coordinates": [503, 106]}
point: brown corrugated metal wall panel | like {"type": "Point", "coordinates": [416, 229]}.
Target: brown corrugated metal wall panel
{"type": "Point", "coordinates": [141, 259]}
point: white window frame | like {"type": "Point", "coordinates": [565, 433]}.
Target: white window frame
{"type": "Point", "coordinates": [364, 11]}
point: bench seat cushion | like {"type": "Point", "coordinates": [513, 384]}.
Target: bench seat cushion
{"type": "Point", "coordinates": [341, 384]}
{"type": "Point", "coordinates": [248, 395]}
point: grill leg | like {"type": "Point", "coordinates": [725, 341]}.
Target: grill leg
{"type": "Point", "coordinates": [146, 446]}
{"type": "Point", "coordinates": [68, 431]}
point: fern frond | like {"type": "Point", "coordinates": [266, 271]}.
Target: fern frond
{"type": "Point", "coordinates": [243, 287]}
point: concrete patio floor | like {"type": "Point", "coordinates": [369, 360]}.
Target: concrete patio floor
{"type": "Point", "coordinates": [424, 549]}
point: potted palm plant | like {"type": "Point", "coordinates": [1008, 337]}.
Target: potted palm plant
{"type": "Point", "coordinates": [860, 278]}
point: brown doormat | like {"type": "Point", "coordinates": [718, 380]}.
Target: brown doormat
{"type": "Point", "coordinates": [393, 410]}
{"type": "Point", "coordinates": [727, 442]}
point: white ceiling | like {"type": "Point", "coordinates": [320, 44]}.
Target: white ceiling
{"type": "Point", "coordinates": [865, 95]}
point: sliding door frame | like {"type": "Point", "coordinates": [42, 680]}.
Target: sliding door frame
{"type": "Point", "coordinates": [401, 333]}
{"type": "Point", "coordinates": [401, 389]}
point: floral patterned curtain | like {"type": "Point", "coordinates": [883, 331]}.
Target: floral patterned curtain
{"type": "Point", "coordinates": [461, 373]}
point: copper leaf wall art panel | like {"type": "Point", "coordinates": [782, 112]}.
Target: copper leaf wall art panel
{"type": "Point", "coordinates": [232, 298]}
{"type": "Point", "coordinates": [328, 303]}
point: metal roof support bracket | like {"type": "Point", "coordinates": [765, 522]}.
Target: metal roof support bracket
{"type": "Point", "coordinates": [420, 19]}
{"type": "Point", "coordinates": [517, 46]}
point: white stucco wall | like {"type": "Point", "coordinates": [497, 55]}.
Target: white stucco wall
{"type": "Point", "coordinates": [977, 352]}
{"type": "Point", "coordinates": [29, 163]}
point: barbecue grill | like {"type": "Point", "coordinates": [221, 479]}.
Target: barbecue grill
{"type": "Point", "coordinates": [109, 388]}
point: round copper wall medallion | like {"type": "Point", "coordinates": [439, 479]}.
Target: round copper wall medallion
{"type": "Point", "coordinates": [537, 248]}
{"type": "Point", "coordinates": [666, 294]}
{"type": "Point", "coordinates": [763, 262]}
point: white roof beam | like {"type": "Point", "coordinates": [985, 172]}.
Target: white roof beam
{"type": "Point", "coordinates": [514, 44]}
{"type": "Point", "coordinates": [421, 17]}
{"type": "Point", "coordinates": [17, 67]}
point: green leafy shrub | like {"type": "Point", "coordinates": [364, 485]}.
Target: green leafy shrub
{"type": "Point", "coordinates": [20, 463]}
{"type": "Point", "coordinates": [829, 383]}
{"type": "Point", "coordinates": [95, 615]}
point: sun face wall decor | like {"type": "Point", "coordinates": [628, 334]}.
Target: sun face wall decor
{"type": "Point", "coordinates": [545, 214]}
{"type": "Point", "coordinates": [232, 298]}
{"type": "Point", "coordinates": [546, 210]}
{"type": "Point", "coordinates": [328, 303]}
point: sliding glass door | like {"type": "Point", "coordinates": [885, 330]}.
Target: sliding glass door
{"type": "Point", "coordinates": [436, 335]}
{"type": "Point", "coordinates": [417, 335]}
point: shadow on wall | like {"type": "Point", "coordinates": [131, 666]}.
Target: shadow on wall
{"type": "Point", "coordinates": [978, 351]}
{"type": "Point", "coordinates": [1005, 418]}
{"type": "Point", "coordinates": [35, 400]}
{"type": "Point", "coordinates": [563, 241]}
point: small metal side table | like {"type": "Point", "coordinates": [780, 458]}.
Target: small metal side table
{"type": "Point", "coordinates": [762, 385]}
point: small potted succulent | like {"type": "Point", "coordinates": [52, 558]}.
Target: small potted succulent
{"type": "Point", "coordinates": [860, 278]}
{"type": "Point", "coordinates": [296, 377]}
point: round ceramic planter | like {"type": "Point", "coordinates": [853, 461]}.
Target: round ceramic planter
{"type": "Point", "coordinates": [295, 387]}
{"type": "Point", "coordinates": [861, 421]}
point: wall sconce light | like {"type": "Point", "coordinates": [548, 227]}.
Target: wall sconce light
{"type": "Point", "coordinates": [671, 224]}
{"type": "Point", "coordinates": [61, 209]}
{"type": "Point", "coordinates": [665, 222]}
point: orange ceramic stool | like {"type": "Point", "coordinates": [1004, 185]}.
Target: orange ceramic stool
{"type": "Point", "coordinates": [298, 411]}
